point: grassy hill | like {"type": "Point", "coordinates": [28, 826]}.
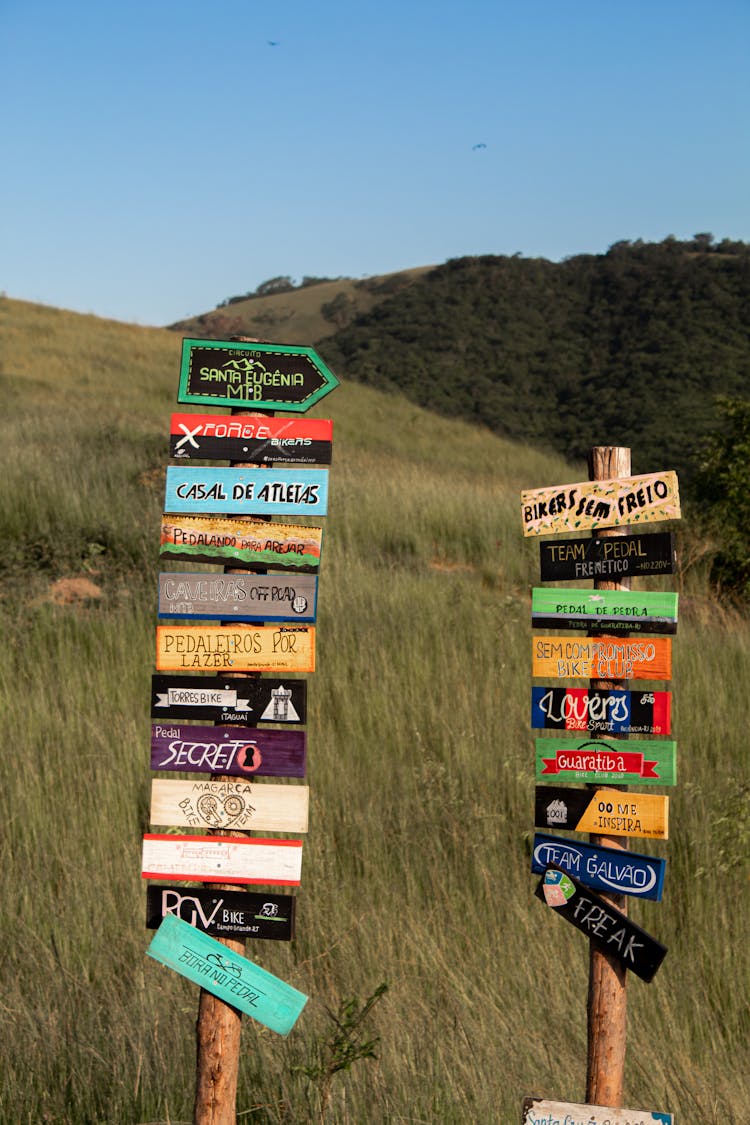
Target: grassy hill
{"type": "Point", "coordinates": [415, 871]}
{"type": "Point", "coordinates": [301, 315]}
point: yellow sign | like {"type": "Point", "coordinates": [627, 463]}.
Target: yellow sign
{"type": "Point", "coordinates": [601, 503]}
{"type": "Point", "coordinates": [601, 658]}
{"type": "Point", "coordinates": [239, 648]}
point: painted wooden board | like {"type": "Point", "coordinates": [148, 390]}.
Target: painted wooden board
{"type": "Point", "coordinates": [539, 1111]}
{"type": "Point", "coordinates": [604, 811]}
{"type": "Point", "coordinates": [601, 658]}
{"type": "Point", "coordinates": [228, 699]}
{"type": "Point", "coordinates": [236, 751]}
{"type": "Point", "coordinates": [607, 926]}
{"type": "Point", "coordinates": [600, 503]}
{"type": "Point", "coordinates": [606, 762]}
{"type": "Point", "coordinates": [243, 648]}
{"type": "Point", "coordinates": [609, 870]}
{"type": "Point", "coordinates": [259, 376]}
{"type": "Point", "coordinates": [263, 440]}
{"type": "Point", "coordinates": [228, 804]}
{"type": "Point", "coordinates": [244, 914]}
{"type": "Point", "coordinates": [614, 611]}
{"type": "Point", "coordinates": [222, 859]}
{"type": "Point", "coordinates": [240, 542]}
{"type": "Point", "coordinates": [614, 558]}
{"type": "Point", "coordinates": [258, 492]}
{"type": "Point", "coordinates": [224, 973]}
{"type": "Point", "coordinates": [238, 597]}
{"type": "Point", "coordinates": [610, 711]}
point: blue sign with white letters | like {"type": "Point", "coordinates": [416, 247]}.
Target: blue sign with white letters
{"type": "Point", "coordinates": [263, 492]}
{"type": "Point", "coordinates": [603, 869]}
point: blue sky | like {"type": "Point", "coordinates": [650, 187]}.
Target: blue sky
{"type": "Point", "coordinates": [161, 155]}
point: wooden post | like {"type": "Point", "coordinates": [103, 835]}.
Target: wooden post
{"type": "Point", "coordinates": [607, 997]}
{"type": "Point", "coordinates": [219, 1025]}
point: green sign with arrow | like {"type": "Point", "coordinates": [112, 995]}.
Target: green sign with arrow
{"type": "Point", "coordinates": [255, 376]}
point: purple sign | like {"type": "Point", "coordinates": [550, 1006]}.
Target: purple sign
{"type": "Point", "coordinates": [237, 751]}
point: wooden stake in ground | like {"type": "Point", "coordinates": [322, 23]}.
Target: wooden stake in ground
{"type": "Point", "coordinates": [218, 1026]}
{"type": "Point", "coordinates": [607, 997]}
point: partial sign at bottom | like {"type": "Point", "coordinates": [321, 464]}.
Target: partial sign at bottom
{"type": "Point", "coordinates": [221, 971]}
{"type": "Point", "coordinates": [538, 1111]}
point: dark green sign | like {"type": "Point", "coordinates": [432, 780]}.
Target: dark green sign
{"type": "Point", "coordinates": [255, 376]}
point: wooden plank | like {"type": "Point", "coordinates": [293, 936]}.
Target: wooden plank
{"type": "Point", "coordinates": [223, 804]}
{"type": "Point", "coordinates": [233, 751]}
{"type": "Point", "coordinates": [607, 926]}
{"type": "Point", "coordinates": [224, 973]}
{"type": "Point", "coordinates": [240, 542]}
{"type": "Point", "coordinates": [600, 503]}
{"type": "Point", "coordinates": [257, 376]}
{"type": "Point", "coordinates": [599, 761]}
{"type": "Point", "coordinates": [608, 870]}
{"type": "Point", "coordinates": [601, 658]}
{"type": "Point", "coordinates": [540, 1111]}
{"type": "Point", "coordinates": [263, 440]}
{"type": "Point", "coordinates": [605, 711]}
{"type": "Point", "coordinates": [643, 815]}
{"type": "Point", "coordinates": [238, 597]}
{"type": "Point", "coordinates": [227, 700]}
{"type": "Point", "coordinates": [626, 556]}
{"type": "Point", "coordinates": [222, 859]}
{"type": "Point", "coordinates": [243, 648]}
{"type": "Point", "coordinates": [222, 913]}
{"type": "Point", "coordinates": [614, 611]}
{"type": "Point", "coordinates": [245, 491]}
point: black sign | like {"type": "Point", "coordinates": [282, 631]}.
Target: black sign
{"type": "Point", "coordinates": [229, 699]}
{"type": "Point", "coordinates": [607, 927]}
{"type": "Point", "coordinates": [614, 557]}
{"type": "Point", "coordinates": [260, 376]}
{"type": "Point", "coordinates": [224, 913]}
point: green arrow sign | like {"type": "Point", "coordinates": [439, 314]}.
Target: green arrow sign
{"type": "Point", "coordinates": [256, 376]}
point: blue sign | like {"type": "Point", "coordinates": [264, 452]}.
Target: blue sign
{"type": "Point", "coordinates": [263, 492]}
{"type": "Point", "coordinates": [604, 869]}
{"type": "Point", "coordinates": [221, 971]}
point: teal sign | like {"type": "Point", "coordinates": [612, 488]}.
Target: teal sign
{"type": "Point", "coordinates": [253, 376]}
{"type": "Point", "coordinates": [226, 974]}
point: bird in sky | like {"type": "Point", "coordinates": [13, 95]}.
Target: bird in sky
{"type": "Point", "coordinates": [272, 42]}
{"type": "Point", "coordinates": [480, 145]}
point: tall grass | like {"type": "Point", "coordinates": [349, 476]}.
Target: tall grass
{"type": "Point", "coordinates": [415, 870]}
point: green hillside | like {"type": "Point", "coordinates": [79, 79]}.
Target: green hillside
{"type": "Point", "coordinates": [629, 348]}
{"type": "Point", "coordinates": [298, 314]}
{"type": "Point", "coordinates": [415, 870]}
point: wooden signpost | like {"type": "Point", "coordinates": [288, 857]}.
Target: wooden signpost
{"type": "Point", "coordinates": [257, 492]}
{"type": "Point", "coordinates": [234, 751]}
{"type": "Point", "coordinates": [608, 711]}
{"type": "Point", "coordinates": [221, 971]}
{"type": "Point", "coordinates": [229, 803]}
{"type": "Point", "coordinates": [606, 810]}
{"type": "Point", "coordinates": [602, 658]}
{"type": "Point", "coordinates": [617, 557]}
{"type": "Point", "coordinates": [606, 610]}
{"type": "Point", "coordinates": [253, 375]}
{"type": "Point", "coordinates": [240, 542]}
{"type": "Point", "coordinates": [608, 927]}
{"type": "Point", "coordinates": [238, 597]}
{"type": "Point", "coordinates": [241, 648]}
{"type": "Point", "coordinates": [540, 1111]}
{"type": "Point", "coordinates": [602, 761]}
{"type": "Point", "coordinates": [600, 503]}
{"type": "Point", "coordinates": [228, 700]}
{"type": "Point", "coordinates": [262, 440]}
{"type": "Point", "coordinates": [222, 859]}
{"type": "Point", "coordinates": [602, 869]}
{"type": "Point", "coordinates": [241, 914]}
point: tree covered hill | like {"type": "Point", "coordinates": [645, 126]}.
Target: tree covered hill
{"type": "Point", "coordinates": [630, 347]}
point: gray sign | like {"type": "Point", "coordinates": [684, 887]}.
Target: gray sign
{"type": "Point", "coordinates": [238, 597]}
